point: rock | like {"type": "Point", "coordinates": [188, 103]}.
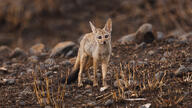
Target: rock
{"type": "Point", "coordinates": [170, 40]}
{"type": "Point", "coordinates": [189, 68]}
{"type": "Point", "coordinates": [17, 52]}
{"type": "Point", "coordinates": [121, 82]}
{"type": "Point", "coordinates": [9, 81]}
{"type": "Point", "coordinates": [78, 96]}
{"type": "Point", "coordinates": [159, 75]}
{"type": "Point", "coordinates": [37, 49]}
{"type": "Point", "coordinates": [145, 105]}
{"type": "Point", "coordinates": [145, 33]}
{"type": "Point", "coordinates": [33, 59]}
{"type": "Point", "coordinates": [48, 73]}
{"type": "Point", "coordinates": [91, 103]}
{"type": "Point", "coordinates": [62, 48]}
{"type": "Point", "coordinates": [3, 70]}
{"type": "Point", "coordinates": [4, 51]}
{"type": "Point", "coordinates": [141, 45]}
{"type": "Point", "coordinates": [160, 35]}
{"type": "Point", "coordinates": [103, 88]}
{"type": "Point", "coordinates": [167, 54]}
{"type": "Point", "coordinates": [142, 63]}
{"type": "Point", "coordinates": [65, 63]}
{"type": "Point", "coordinates": [49, 62]}
{"type": "Point", "coordinates": [127, 39]}
{"type": "Point", "coordinates": [22, 103]}
{"type": "Point", "coordinates": [108, 102]}
{"type": "Point", "coordinates": [181, 71]}
{"type": "Point", "coordinates": [29, 70]}
{"type": "Point", "coordinates": [151, 52]}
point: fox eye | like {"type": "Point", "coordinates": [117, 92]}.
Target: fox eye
{"type": "Point", "coordinates": [99, 37]}
{"type": "Point", "coordinates": [106, 36]}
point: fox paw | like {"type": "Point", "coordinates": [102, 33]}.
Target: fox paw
{"type": "Point", "coordinates": [95, 84]}
{"type": "Point", "coordinates": [80, 84]}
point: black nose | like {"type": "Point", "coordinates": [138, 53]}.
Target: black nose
{"type": "Point", "coordinates": [104, 42]}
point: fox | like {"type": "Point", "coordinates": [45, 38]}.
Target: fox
{"type": "Point", "coordinates": [95, 48]}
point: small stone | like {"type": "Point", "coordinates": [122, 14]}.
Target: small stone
{"type": "Point", "coordinates": [48, 73]}
{"type": "Point", "coordinates": [49, 62]}
{"type": "Point", "coordinates": [127, 39]}
{"type": "Point", "coordinates": [145, 105]}
{"type": "Point", "coordinates": [9, 81]}
{"type": "Point", "coordinates": [151, 52]}
{"type": "Point", "coordinates": [170, 40]}
{"type": "Point", "coordinates": [37, 49]}
{"type": "Point", "coordinates": [91, 103]}
{"type": "Point", "coordinates": [103, 88]}
{"type": "Point", "coordinates": [181, 71]}
{"type": "Point", "coordinates": [160, 35]}
{"type": "Point", "coordinates": [189, 60]}
{"type": "Point", "coordinates": [141, 45]}
{"type": "Point", "coordinates": [3, 70]}
{"type": "Point", "coordinates": [121, 82]}
{"type": "Point", "coordinates": [62, 48]}
{"type": "Point", "coordinates": [142, 63]}
{"type": "Point", "coordinates": [29, 70]}
{"type": "Point", "coordinates": [17, 53]}
{"type": "Point", "coordinates": [167, 54]}
{"type": "Point", "coordinates": [163, 59]}
{"type": "Point", "coordinates": [189, 68]}
{"type": "Point", "coordinates": [108, 102]}
{"type": "Point", "coordinates": [77, 96]}
{"type": "Point", "coordinates": [65, 63]}
{"type": "Point", "coordinates": [22, 103]}
{"type": "Point", "coordinates": [33, 59]}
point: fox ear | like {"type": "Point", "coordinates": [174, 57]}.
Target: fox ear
{"type": "Point", "coordinates": [108, 25]}
{"type": "Point", "coordinates": [92, 27]}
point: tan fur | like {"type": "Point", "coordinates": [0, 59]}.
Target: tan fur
{"type": "Point", "coordinates": [95, 48]}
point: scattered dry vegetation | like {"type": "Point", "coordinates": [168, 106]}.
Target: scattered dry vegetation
{"type": "Point", "coordinates": [135, 76]}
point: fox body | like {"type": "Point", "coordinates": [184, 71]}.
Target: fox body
{"type": "Point", "coordinates": [95, 48]}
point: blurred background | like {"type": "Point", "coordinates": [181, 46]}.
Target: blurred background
{"type": "Point", "coordinates": [24, 23]}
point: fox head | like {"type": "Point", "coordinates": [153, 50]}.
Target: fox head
{"type": "Point", "coordinates": [102, 36]}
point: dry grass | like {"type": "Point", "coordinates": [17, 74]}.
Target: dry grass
{"type": "Point", "coordinates": [47, 95]}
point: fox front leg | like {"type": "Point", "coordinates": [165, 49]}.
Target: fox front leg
{"type": "Point", "coordinates": [104, 71]}
{"type": "Point", "coordinates": [95, 63]}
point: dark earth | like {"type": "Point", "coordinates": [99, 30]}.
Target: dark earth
{"type": "Point", "coordinates": [157, 72]}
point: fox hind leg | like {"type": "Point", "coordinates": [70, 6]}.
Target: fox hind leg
{"type": "Point", "coordinates": [88, 65]}
{"type": "Point", "coordinates": [83, 61]}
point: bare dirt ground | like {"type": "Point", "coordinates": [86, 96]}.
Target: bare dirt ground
{"type": "Point", "coordinates": [160, 72]}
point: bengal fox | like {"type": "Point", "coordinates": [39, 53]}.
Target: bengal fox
{"type": "Point", "coordinates": [95, 48]}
